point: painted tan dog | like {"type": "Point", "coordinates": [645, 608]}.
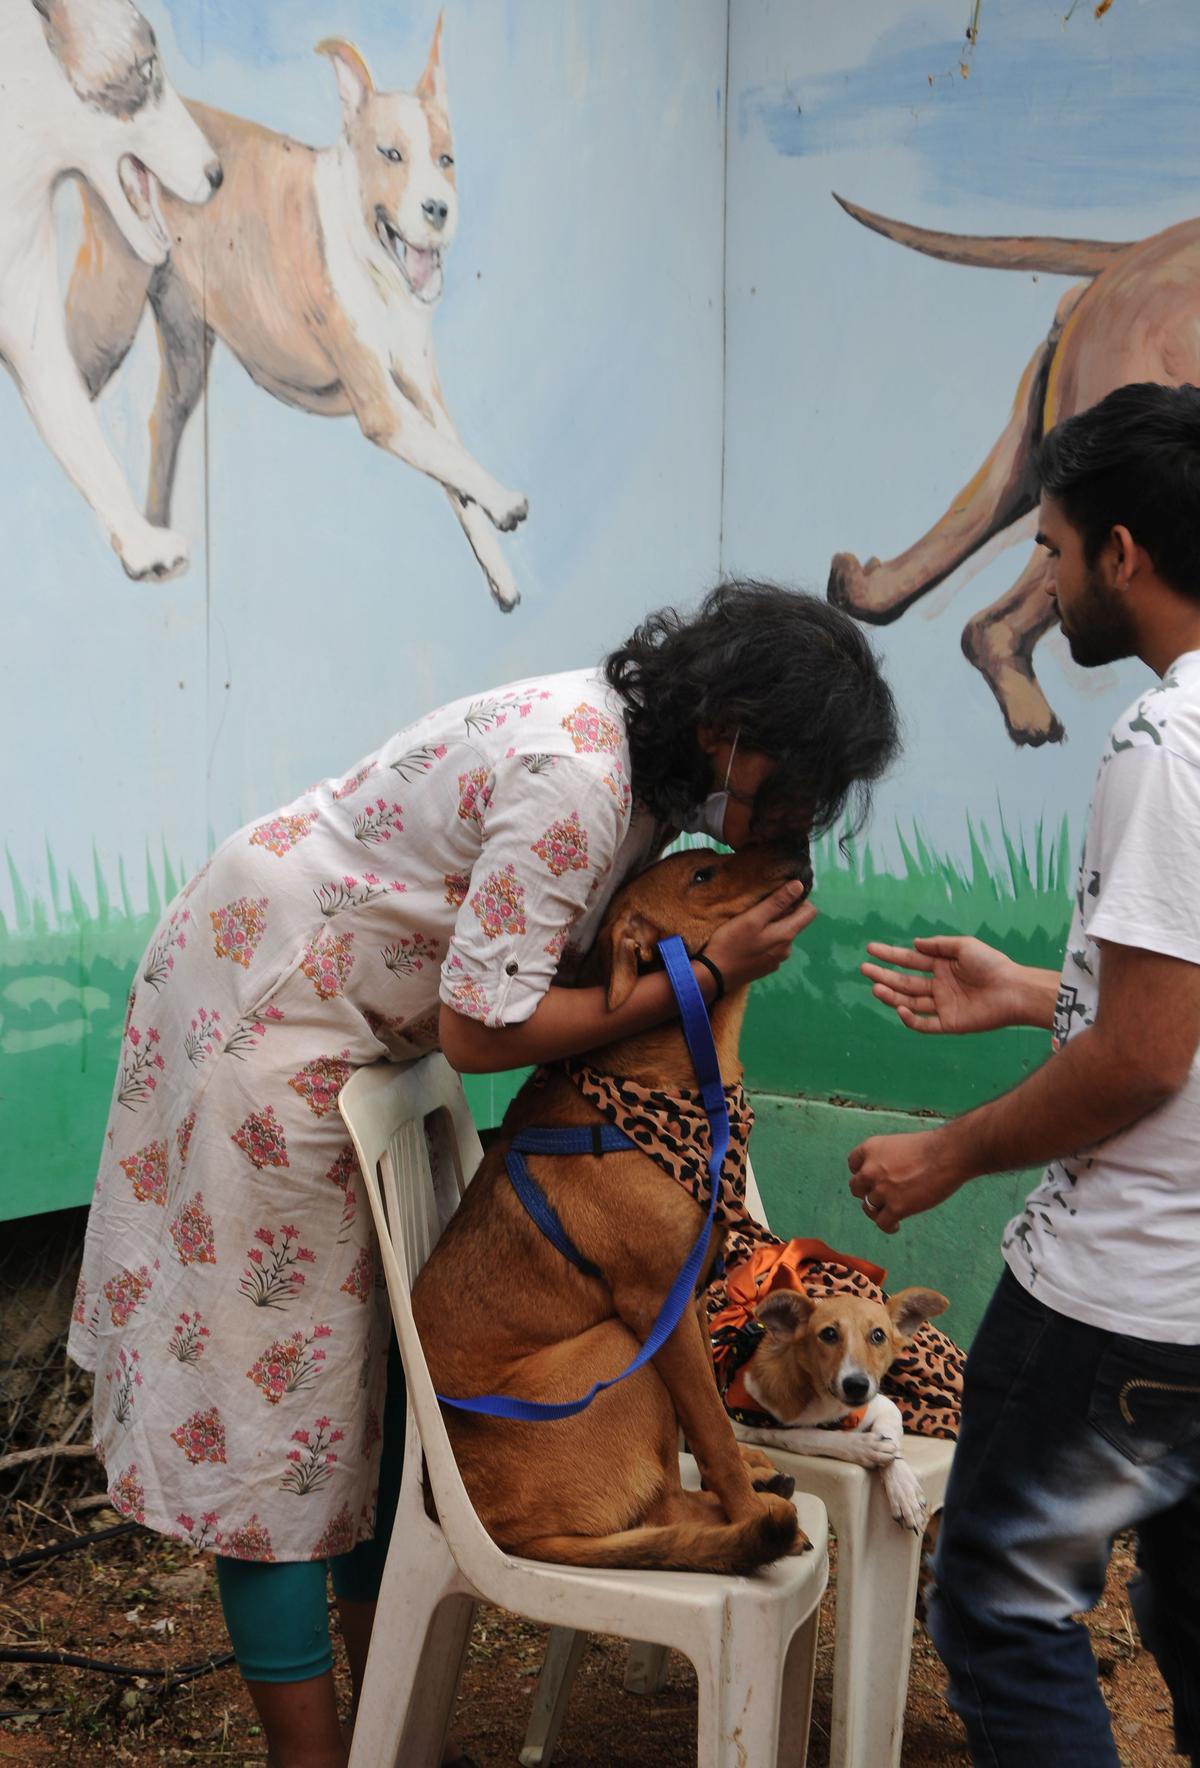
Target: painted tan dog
{"type": "Point", "coordinates": [84, 94]}
{"type": "Point", "coordinates": [1135, 321]}
{"type": "Point", "coordinates": [817, 1371]}
{"type": "Point", "coordinates": [499, 1309]}
{"type": "Point", "coordinates": [320, 269]}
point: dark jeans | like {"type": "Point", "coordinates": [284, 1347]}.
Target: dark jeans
{"type": "Point", "coordinates": [1069, 1435]}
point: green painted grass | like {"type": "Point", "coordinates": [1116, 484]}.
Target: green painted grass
{"type": "Point", "coordinates": [66, 961]}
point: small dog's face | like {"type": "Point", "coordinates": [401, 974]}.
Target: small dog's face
{"type": "Point", "coordinates": [691, 894]}
{"type": "Point", "coordinates": [134, 129]}
{"type": "Point", "coordinates": [839, 1348]}
{"type": "Point", "coordinates": [404, 160]}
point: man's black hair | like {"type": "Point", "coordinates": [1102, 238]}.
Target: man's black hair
{"type": "Point", "coordinates": [1133, 461]}
{"type": "Point", "coordinates": [792, 676]}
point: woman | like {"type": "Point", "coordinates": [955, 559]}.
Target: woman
{"type": "Point", "coordinates": [228, 1301]}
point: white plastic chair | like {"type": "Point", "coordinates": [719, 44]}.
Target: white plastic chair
{"type": "Point", "coordinates": [752, 1640]}
{"type": "Point", "coordinates": [878, 1567]}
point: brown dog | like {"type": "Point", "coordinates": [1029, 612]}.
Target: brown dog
{"type": "Point", "coordinates": [499, 1309]}
{"type": "Point", "coordinates": [1136, 321]}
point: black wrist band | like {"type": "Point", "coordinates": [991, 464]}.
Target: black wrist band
{"type": "Point", "coordinates": [699, 958]}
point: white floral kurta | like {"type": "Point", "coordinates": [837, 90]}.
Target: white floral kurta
{"type": "Point", "coordinates": [228, 1301]}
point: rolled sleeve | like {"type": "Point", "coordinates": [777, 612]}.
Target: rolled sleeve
{"type": "Point", "coordinates": [1145, 872]}
{"type": "Point", "coordinates": [551, 825]}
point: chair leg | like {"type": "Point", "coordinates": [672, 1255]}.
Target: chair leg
{"type": "Point", "coordinates": [645, 1667]}
{"type": "Point", "coordinates": [876, 1598]}
{"type": "Point", "coordinates": [564, 1649]}
{"type": "Point", "coordinates": [739, 1692]}
{"type": "Point", "coordinates": [418, 1643]}
{"type": "Point", "coordinates": [796, 1693]}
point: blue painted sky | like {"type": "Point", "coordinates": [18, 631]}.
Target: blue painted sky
{"type": "Point", "coordinates": [1081, 114]}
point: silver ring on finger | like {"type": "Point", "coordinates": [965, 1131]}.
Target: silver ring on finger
{"type": "Point", "coordinates": [871, 1208]}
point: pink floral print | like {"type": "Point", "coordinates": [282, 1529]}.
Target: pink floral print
{"type": "Point", "coordinates": [338, 1536]}
{"type": "Point", "coordinates": [203, 1036]}
{"type": "Point", "coordinates": [122, 1381]}
{"type": "Point", "coordinates": [126, 1292]}
{"type": "Point", "coordinates": [457, 885]}
{"type": "Point", "coordinates": [160, 959]}
{"type": "Point", "coordinates": [362, 1277]}
{"type": "Point", "coordinates": [343, 1173]}
{"type": "Point", "coordinates": [192, 1232]}
{"type": "Point", "coordinates": [590, 729]}
{"type": "Point", "coordinates": [320, 1081]}
{"type": "Point", "coordinates": [467, 995]}
{"type": "Point", "coordinates": [474, 795]}
{"type": "Point", "coordinates": [147, 1172]}
{"type": "Point", "coordinates": [247, 1033]}
{"type": "Point", "coordinates": [563, 847]}
{"type": "Point", "coordinates": [238, 928]}
{"type": "Point", "coordinates": [251, 1541]}
{"type": "Point", "coordinates": [186, 1343]}
{"type": "Point", "coordinates": [183, 1136]}
{"type": "Point", "coordinates": [353, 781]}
{"type": "Point", "coordinates": [270, 1279]}
{"type": "Point", "coordinates": [377, 823]}
{"type": "Point", "coordinates": [327, 962]}
{"type": "Point", "coordinates": [312, 1458]}
{"type": "Point", "coordinates": [406, 955]}
{"type": "Point", "coordinates": [416, 762]}
{"type": "Point", "coordinates": [202, 1535]}
{"type": "Point", "coordinates": [499, 903]}
{"type": "Point", "coordinates": [141, 1066]}
{"type": "Point", "coordinates": [202, 1436]}
{"type": "Point", "coordinates": [350, 892]}
{"type": "Point", "coordinates": [261, 1139]}
{"type": "Point", "coordinates": [128, 1495]}
{"type": "Point", "coordinates": [288, 1364]}
{"type": "Point", "coordinates": [279, 834]}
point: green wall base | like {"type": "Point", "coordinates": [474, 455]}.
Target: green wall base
{"type": "Point", "coordinates": [799, 1150]}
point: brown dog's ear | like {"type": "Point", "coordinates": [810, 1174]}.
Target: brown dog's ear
{"type": "Point", "coordinates": [629, 941]}
{"type": "Point", "coordinates": [432, 84]}
{"type": "Point", "coordinates": [353, 76]}
{"type": "Point", "coordinates": [910, 1308]}
{"type": "Point", "coordinates": [784, 1313]}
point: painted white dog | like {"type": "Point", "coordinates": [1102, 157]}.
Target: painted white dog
{"type": "Point", "coordinates": [320, 269]}
{"type": "Point", "coordinates": [83, 92]}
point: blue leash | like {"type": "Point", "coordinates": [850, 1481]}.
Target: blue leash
{"type": "Point", "coordinates": [603, 1139]}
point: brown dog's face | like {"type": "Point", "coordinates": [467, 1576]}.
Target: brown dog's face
{"type": "Point", "coordinates": [838, 1348]}
{"type": "Point", "coordinates": [691, 894]}
{"type": "Point", "coordinates": [403, 155]}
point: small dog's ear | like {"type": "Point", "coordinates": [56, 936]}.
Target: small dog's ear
{"type": "Point", "coordinates": [910, 1308]}
{"type": "Point", "coordinates": [354, 82]}
{"type": "Point", "coordinates": [630, 940]}
{"type": "Point", "coordinates": [432, 84]}
{"type": "Point", "coordinates": [784, 1313]}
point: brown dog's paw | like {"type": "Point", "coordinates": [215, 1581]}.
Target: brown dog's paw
{"type": "Point", "coordinates": [782, 1484]}
{"type": "Point", "coordinates": [801, 1544]}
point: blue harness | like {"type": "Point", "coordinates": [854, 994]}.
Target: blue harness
{"type": "Point", "coordinates": [604, 1139]}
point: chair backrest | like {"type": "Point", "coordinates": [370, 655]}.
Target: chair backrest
{"type": "Point", "coordinates": [417, 1147]}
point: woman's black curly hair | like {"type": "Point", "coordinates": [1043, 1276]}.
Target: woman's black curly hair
{"type": "Point", "coordinates": [793, 676]}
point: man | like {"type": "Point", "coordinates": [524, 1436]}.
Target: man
{"type": "Point", "coordinates": [1082, 1403]}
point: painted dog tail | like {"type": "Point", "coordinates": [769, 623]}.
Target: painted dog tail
{"type": "Point", "coordinates": [702, 1546]}
{"type": "Point", "coordinates": [109, 285]}
{"type": "Point", "coordinates": [1057, 257]}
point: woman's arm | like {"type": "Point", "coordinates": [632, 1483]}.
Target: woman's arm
{"type": "Point", "coordinates": [568, 1021]}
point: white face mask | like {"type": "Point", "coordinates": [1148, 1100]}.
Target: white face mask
{"type": "Point", "coordinates": [709, 818]}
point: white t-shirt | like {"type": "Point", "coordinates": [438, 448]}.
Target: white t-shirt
{"type": "Point", "coordinates": [1111, 1236]}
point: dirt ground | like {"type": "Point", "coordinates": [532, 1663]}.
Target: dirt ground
{"type": "Point", "coordinates": [139, 1600]}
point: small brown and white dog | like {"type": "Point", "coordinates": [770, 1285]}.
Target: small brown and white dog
{"type": "Point", "coordinates": [320, 269]}
{"type": "Point", "coordinates": [817, 1370]}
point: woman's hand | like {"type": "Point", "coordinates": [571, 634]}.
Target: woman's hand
{"type": "Point", "coordinates": [948, 984]}
{"type": "Point", "coordinates": [758, 941]}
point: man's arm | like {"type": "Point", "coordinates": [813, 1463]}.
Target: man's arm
{"type": "Point", "coordinates": [1137, 1054]}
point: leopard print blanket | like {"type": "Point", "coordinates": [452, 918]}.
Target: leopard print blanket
{"type": "Point", "coordinates": [672, 1129]}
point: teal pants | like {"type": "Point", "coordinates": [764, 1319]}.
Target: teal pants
{"type": "Point", "coordinates": [277, 1614]}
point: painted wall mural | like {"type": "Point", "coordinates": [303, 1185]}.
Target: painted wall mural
{"type": "Point", "coordinates": [658, 323]}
